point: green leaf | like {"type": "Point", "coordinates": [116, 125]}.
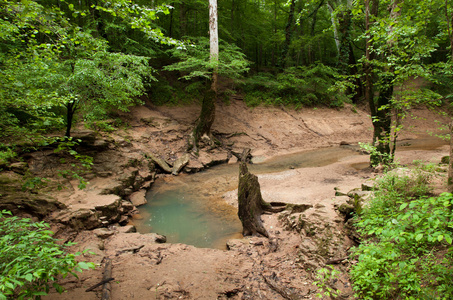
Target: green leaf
{"type": "Point", "coordinates": [29, 277]}
{"type": "Point", "coordinates": [84, 265]}
{"type": "Point", "coordinates": [448, 239]}
{"type": "Point", "coordinates": [403, 206]}
{"type": "Point", "coordinates": [440, 238]}
{"type": "Point", "coordinates": [419, 237]}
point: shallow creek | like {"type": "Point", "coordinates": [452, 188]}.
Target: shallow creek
{"type": "Point", "coordinates": [189, 209]}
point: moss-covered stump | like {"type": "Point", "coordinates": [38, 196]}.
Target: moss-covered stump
{"type": "Point", "coordinates": [251, 203]}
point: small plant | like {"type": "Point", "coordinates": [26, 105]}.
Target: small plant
{"type": "Point", "coordinates": [31, 259]}
{"type": "Point", "coordinates": [325, 277]}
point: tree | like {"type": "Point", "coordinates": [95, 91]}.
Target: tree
{"type": "Point", "coordinates": [397, 49]}
{"type": "Point", "coordinates": [52, 62]}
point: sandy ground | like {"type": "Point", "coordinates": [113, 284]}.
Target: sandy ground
{"type": "Point", "coordinates": [282, 267]}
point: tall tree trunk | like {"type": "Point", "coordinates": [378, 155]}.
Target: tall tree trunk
{"type": "Point", "coordinates": [288, 35]}
{"type": "Point", "coordinates": [202, 129]}
{"type": "Point", "coordinates": [182, 19]}
{"type": "Point", "coordinates": [382, 118]}
{"type": "Point", "coordinates": [213, 41]}
{"type": "Point", "coordinates": [449, 19]}
{"type": "Point", "coordinates": [334, 25]}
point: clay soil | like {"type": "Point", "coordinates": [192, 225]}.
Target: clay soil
{"type": "Point", "coordinates": [282, 267]}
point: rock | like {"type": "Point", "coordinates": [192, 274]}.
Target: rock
{"type": "Point", "coordinates": [147, 184]}
{"type": "Point", "coordinates": [127, 229]}
{"type": "Point", "coordinates": [12, 198]}
{"type": "Point", "coordinates": [346, 210]}
{"type": "Point", "coordinates": [180, 163]}
{"type": "Point", "coordinates": [235, 244]}
{"type": "Point", "coordinates": [364, 195]}
{"type": "Point", "coordinates": [108, 206]}
{"type": "Point", "coordinates": [103, 233]}
{"type": "Point", "coordinates": [147, 174]}
{"type": "Point", "coordinates": [157, 237]}
{"type": "Point", "coordinates": [78, 219]}
{"type": "Point", "coordinates": [161, 163]}
{"type": "Point", "coordinates": [101, 144]}
{"type": "Point", "coordinates": [233, 160]}
{"type": "Point", "coordinates": [19, 167]}
{"type": "Point", "coordinates": [213, 158]}
{"type": "Point", "coordinates": [194, 166]}
{"type": "Point", "coordinates": [124, 220]}
{"type": "Point", "coordinates": [126, 207]}
{"type": "Point", "coordinates": [87, 136]}
{"type": "Point", "coordinates": [138, 198]}
{"type": "Point", "coordinates": [368, 185]}
{"type": "Point", "coordinates": [128, 178]}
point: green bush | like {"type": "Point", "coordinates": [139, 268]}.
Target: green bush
{"type": "Point", "coordinates": [297, 86]}
{"type": "Point", "coordinates": [31, 259]}
{"type": "Point", "coordinates": [407, 253]}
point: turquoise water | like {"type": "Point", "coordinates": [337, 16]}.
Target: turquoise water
{"type": "Point", "coordinates": [182, 218]}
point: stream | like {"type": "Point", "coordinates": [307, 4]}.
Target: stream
{"type": "Point", "coordinates": [189, 209]}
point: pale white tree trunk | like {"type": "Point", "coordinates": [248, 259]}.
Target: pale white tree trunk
{"type": "Point", "coordinates": [214, 40]}
{"type": "Point", "coordinates": [334, 25]}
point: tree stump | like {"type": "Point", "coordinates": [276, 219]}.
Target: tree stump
{"type": "Point", "coordinates": [251, 203]}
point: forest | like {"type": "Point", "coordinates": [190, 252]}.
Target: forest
{"type": "Point", "coordinates": [66, 64]}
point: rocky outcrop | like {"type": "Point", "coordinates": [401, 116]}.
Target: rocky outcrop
{"type": "Point", "coordinates": [14, 198]}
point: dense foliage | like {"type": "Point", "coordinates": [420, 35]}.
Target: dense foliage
{"type": "Point", "coordinates": [31, 259]}
{"type": "Point", "coordinates": [408, 252]}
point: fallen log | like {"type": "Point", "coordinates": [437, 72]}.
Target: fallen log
{"type": "Point", "coordinates": [107, 288]}
{"type": "Point", "coordinates": [99, 284]}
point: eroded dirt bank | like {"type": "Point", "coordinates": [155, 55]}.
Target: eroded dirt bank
{"type": "Point", "coordinates": [283, 267]}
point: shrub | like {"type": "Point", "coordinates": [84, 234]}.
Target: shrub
{"type": "Point", "coordinates": [407, 253]}
{"type": "Point", "coordinates": [31, 259]}
{"type": "Point", "coordinates": [298, 86]}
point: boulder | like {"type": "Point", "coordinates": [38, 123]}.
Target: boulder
{"type": "Point", "coordinates": [138, 198]}
{"type": "Point", "coordinates": [127, 229]}
{"type": "Point", "coordinates": [103, 233]}
{"type": "Point", "coordinates": [108, 206]}
{"type": "Point", "coordinates": [213, 157]}
{"type": "Point", "coordinates": [78, 219]}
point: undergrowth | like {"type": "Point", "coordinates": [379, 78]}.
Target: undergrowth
{"type": "Point", "coordinates": [31, 259]}
{"type": "Point", "coordinates": [407, 248]}
{"type": "Point", "coordinates": [297, 86]}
